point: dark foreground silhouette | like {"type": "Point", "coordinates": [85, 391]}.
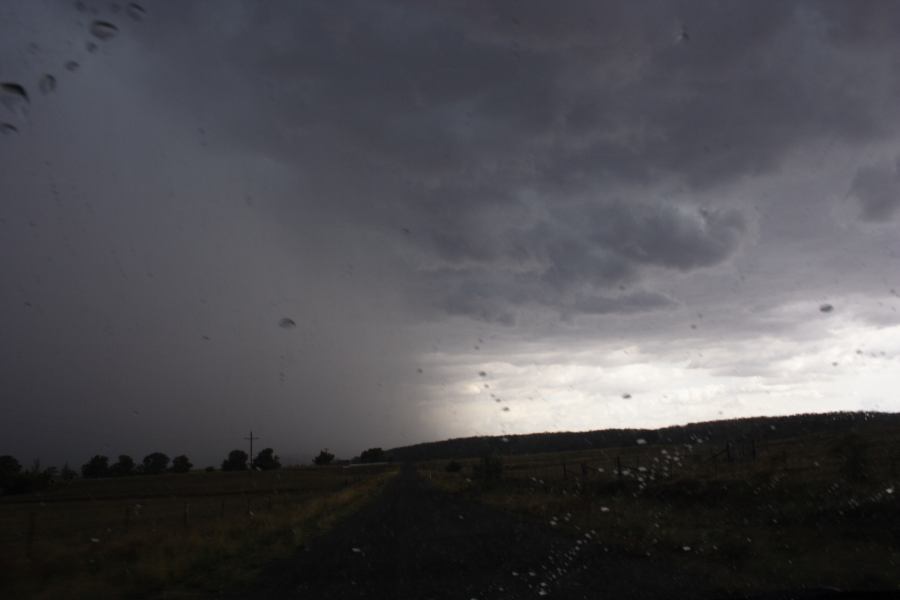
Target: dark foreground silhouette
{"type": "Point", "coordinates": [417, 542]}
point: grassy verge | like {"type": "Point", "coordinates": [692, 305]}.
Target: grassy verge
{"type": "Point", "coordinates": [201, 557]}
{"type": "Point", "coordinates": [828, 516]}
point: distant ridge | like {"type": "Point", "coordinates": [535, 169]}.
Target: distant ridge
{"type": "Point", "coordinates": [715, 432]}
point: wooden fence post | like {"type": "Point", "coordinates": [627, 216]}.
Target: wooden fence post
{"type": "Point", "coordinates": [127, 516]}
{"type": "Point", "coordinates": [187, 512]}
{"type": "Point", "coordinates": [619, 466]}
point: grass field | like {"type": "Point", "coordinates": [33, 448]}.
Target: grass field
{"type": "Point", "coordinates": [811, 511]}
{"type": "Point", "coordinates": [184, 535]}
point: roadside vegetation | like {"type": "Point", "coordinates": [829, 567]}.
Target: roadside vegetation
{"type": "Point", "coordinates": [809, 510]}
{"type": "Point", "coordinates": [180, 534]}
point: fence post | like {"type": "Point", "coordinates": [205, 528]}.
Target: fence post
{"type": "Point", "coordinates": [187, 512]}
{"type": "Point", "coordinates": [565, 472]}
{"type": "Point", "coordinates": [127, 516]}
{"type": "Point", "coordinates": [619, 466]}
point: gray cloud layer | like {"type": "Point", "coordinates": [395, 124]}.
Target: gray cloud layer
{"type": "Point", "coordinates": [367, 167]}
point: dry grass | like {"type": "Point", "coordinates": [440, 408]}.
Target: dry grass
{"type": "Point", "coordinates": [808, 511]}
{"type": "Point", "coordinates": [113, 545]}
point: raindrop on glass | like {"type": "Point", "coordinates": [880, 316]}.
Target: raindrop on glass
{"type": "Point", "coordinates": [287, 323]}
{"type": "Point", "coordinates": [136, 12]}
{"type": "Point", "coordinates": [47, 83]}
{"type": "Point", "coordinates": [90, 47]}
{"type": "Point", "coordinates": [72, 66]}
{"type": "Point", "coordinates": [103, 30]}
{"type": "Point", "coordinates": [8, 129]}
{"type": "Point", "coordinates": [826, 308]}
{"type": "Point", "coordinates": [14, 98]}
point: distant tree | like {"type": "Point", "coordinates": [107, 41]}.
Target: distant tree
{"type": "Point", "coordinates": [324, 457]}
{"type": "Point", "coordinates": [155, 463]}
{"type": "Point", "coordinates": [15, 480]}
{"type": "Point", "coordinates": [372, 455]}
{"type": "Point", "coordinates": [236, 461]}
{"type": "Point", "coordinates": [209, 469]}
{"type": "Point", "coordinates": [10, 472]}
{"type": "Point", "coordinates": [67, 473]}
{"type": "Point", "coordinates": [266, 460]}
{"type": "Point", "coordinates": [98, 466]}
{"type": "Point", "coordinates": [125, 466]}
{"type": "Point", "coordinates": [9, 466]}
{"type": "Point", "coordinates": [181, 464]}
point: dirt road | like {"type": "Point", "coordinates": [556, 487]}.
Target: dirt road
{"type": "Point", "coordinates": [417, 542]}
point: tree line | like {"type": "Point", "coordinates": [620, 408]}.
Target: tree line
{"type": "Point", "coordinates": [14, 479]}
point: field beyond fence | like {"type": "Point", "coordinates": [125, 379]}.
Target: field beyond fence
{"type": "Point", "coordinates": [198, 531]}
{"type": "Point", "coordinates": [813, 510]}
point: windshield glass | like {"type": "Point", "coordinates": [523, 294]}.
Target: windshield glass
{"type": "Point", "coordinates": [449, 299]}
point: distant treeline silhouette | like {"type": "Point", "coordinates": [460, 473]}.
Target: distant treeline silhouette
{"type": "Point", "coordinates": [714, 432]}
{"type": "Point", "coordinates": [16, 480]}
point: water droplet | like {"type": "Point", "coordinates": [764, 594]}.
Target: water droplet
{"type": "Point", "coordinates": [104, 30]}
{"type": "Point", "coordinates": [47, 83]}
{"type": "Point", "coordinates": [686, 548]}
{"type": "Point", "coordinates": [356, 550]}
{"type": "Point", "coordinates": [8, 129]}
{"type": "Point", "coordinates": [90, 47]}
{"type": "Point", "coordinates": [482, 374]}
{"type": "Point", "coordinates": [826, 308]}
{"type": "Point", "coordinates": [72, 66]}
{"type": "Point", "coordinates": [419, 371]}
{"type": "Point", "coordinates": [641, 441]}
{"type": "Point", "coordinates": [14, 97]}
{"type": "Point", "coordinates": [287, 323]}
{"type": "Point", "coordinates": [136, 11]}
{"type": "Point", "coordinates": [95, 540]}
{"type": "Point", "coordinates": [505, 409]}
{"type": "Point", "coordinates": [626, 396]}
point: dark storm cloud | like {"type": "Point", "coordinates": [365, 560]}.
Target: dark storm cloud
{"type": "Point", "coordinates": [365, 168]}
{"type": "Point", "coordinates": [877, 189]}
{"type": "Point", "coordinates": [485, 130]}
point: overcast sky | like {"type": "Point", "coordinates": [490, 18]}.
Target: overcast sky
{"type": "Point", "coordinates": [382, 222]}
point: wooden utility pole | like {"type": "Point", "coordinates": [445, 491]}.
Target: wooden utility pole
{"type": "Point", "coordinates": [251, 438]}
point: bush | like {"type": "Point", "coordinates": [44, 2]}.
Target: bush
{"type": "Point", "coordinates": [324, 457]}
{"type": "Point", "coordinates": [266, 460]}
{"type": "Point", "coordinates": [98, 466]}
{"type": "Point", "coordinates": [181, 464]}
{"type": "Point", "coordinates": [236, 461]}
{"type": "Point", "coordinates": [125, 466]}
{"type": "Point", "coordinates": [155, 463]}
{"type": "Point", "coordinates": [453, 467]}
{"type": "Point", "coordinates": [372, 455]}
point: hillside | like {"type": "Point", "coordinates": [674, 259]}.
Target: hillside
{"type": "Point", "coordinates": [713, 432]}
